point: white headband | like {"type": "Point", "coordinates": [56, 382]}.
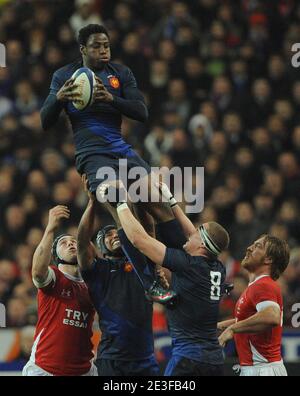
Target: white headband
{"type": "Point", "coordinates": [210, 245]}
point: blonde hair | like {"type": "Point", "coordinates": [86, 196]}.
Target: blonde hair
{"type": "Point", "coordinates": [279, 252]}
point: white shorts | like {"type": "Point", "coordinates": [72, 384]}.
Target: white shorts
{"type": "Point", "coordinates": [276, 369]}
{"type": "Point", "coordinates": [32, 370]}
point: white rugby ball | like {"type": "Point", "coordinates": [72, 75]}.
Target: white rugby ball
{"type": "Point", "coordinates": [85, 79]}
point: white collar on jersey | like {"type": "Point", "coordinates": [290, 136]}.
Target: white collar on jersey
{"type": "Point", "coordinates": [72, 278]}
{"type": "Point", "coordinates": [258, 278]}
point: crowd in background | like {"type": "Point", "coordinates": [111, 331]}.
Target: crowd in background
{"type": "Point", "coordinates": [221, 92]}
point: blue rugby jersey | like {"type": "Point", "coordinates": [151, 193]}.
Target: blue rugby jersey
{"type": "Point", "coordinates": [97, 129]}
{"type": "Point", "coordinates": [125, 316]}
{"type": "Point", "coordinates": [193, 322]}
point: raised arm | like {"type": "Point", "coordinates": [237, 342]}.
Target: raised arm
{"type": "Point", "coordinates": [42, 254]}
{"type": "Point", "coordinates": [85, 249]}
{"type": "Point", "coordinates": [135, 232]}
{"type": "Point", "coordinates": [186, 224]}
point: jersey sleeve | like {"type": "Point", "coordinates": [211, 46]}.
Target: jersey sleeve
{"type": "Point", "coordinates": [48, 282]}
{"type": "Point", "coordinates": [130, 89]}
{"type": "Point", "coordinates": [263, 295]}
{"type": "Point", "coordinates": [176, 260]}
{"type": "Point", "coordinates": [129, 80]}
{"type": "Point", "coordinates": [56, 84]}
{"type": "Point", "coordinates": [52, 282]}
{"type": "Point", "coordinates": [131, 103]}
{"type": "Point", "coordinates": [52, 108]}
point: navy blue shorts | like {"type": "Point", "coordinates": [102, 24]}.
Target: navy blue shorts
{"type": "Point", "coordinates": [181, 366]}
{"type": "Point", "coordinates": [110, 368]}
{"type": "Point", "coordinates": [95, 163]}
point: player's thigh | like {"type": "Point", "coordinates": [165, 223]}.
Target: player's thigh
{"type": "Point", "coordinates": [210, 370]}
{"type": "Point", "coordinates": [143, 368]}
{"type": "Point", "coordinates": [189, 367]}
{"type": "Point", "coordinates": [107, 367]}
{"type": "Point", "coordinates": [185, 367]}
{"type": "Point", "coordinates": [136, 161]}
{"type": "Point", "coordinates": [275, 371]}
{"type": "Point", "coordinates": [98, 168]}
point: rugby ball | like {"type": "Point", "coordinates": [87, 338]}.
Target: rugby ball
{"type": "Point", "coordinates": [85, 79]}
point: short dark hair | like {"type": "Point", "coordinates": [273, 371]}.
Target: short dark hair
{"type": "Point", "coordinates": [86, 31]}
{"type": "Point", "coordinates": [219, 235]}
{"type": "Point", "coordinates": [278, 251]}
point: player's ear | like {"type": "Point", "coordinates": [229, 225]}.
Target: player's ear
{"type": "Point", "coordinates": [201, 243]}
{"type": "Point", "coordinates": [200, 240]}
{"type": "Point", "coordinates": [82, 49]}
{"type": "Point", "coordinates": [268, 260]}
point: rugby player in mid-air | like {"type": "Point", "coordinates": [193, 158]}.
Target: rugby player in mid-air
{"type": "Point", "coordinates": [257, 326]}
{"type": "Point", "coordinates": [198, 279]}
{"type": "Point", "coordinates": [118, 294]}
{"type": "Point", "coordinates": [62, 343]}
{"type": "Point", "coordinates": [97, 129]}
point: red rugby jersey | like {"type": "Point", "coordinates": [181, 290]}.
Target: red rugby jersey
{"type": "Point", "coordinates": [262, 347]}
{"type": "Point", "coordinates": [62, 342]}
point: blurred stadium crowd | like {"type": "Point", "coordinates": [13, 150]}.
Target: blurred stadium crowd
{"type": "Point", "coordinates": [221, 92]}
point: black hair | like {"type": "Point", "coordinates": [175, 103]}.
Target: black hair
{"type": "Point", "coordinates": [86, 31]}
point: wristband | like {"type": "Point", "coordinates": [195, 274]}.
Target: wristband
{"type": "Point", "coordinates": [166, 193]}
{"type": "Point", "coordinates": [172, 201]}
{"type": "Point", "coordinates": [121, 206]}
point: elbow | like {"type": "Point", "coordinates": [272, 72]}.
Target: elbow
{"type": "Point", "coordinates": [45, 127]}
{"type": "Point", "coordinates": [275, 321]}
{"type": "Point", "coordinates": [143, 115]}
{"type": "Point", "coordinates": [274, 318]}
{"type": "Point", "coordinates": [146, 114]}
{"type": "Point", "coordinates": [37, 275]}
{"type": "Point", "coordinates": [44, 121]}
